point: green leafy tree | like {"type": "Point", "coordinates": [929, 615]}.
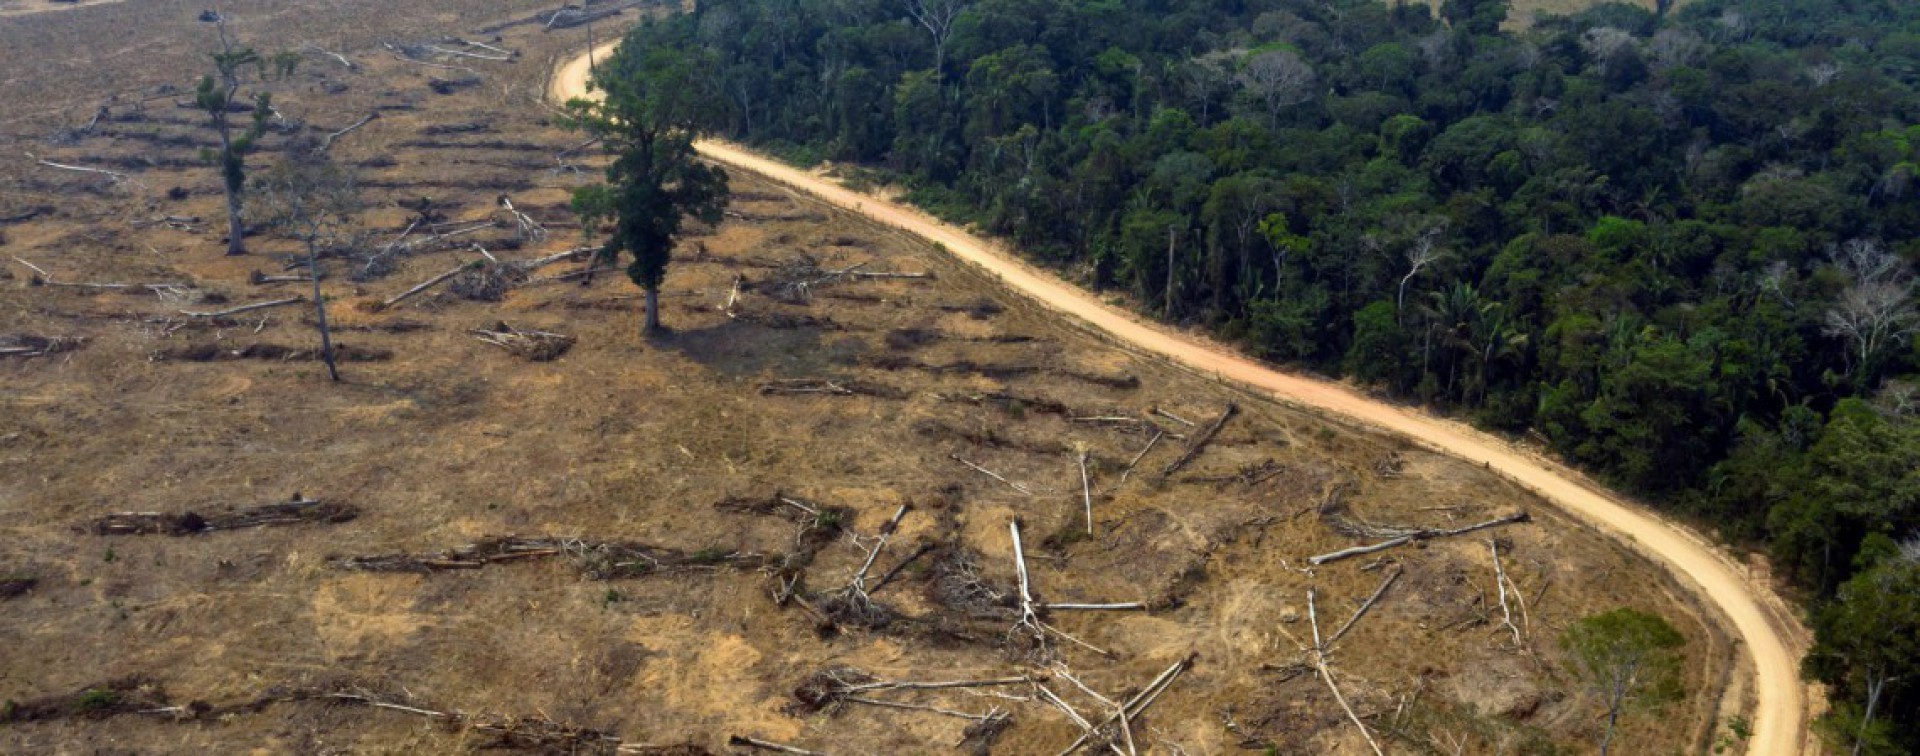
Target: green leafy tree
{"type": "Point", "coordinates": [215, 95]}
{"type": "Point", "coordinates": [1861, 476]}
{"type": "Point", "coordinates": [1379, 349]}
{"type": "Point", "coordinates": [1626, 658]}
{"type": "Point", "coordinates": [1476, 17]}
{"type": "Point", "coordinates": [654, 102]}
{"type": "Point", "coordinates": [1867, 647]}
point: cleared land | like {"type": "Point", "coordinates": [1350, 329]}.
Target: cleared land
{"type": "Point", "coordinates": [1771, 635]}
{"type": "Point", "coordinates": [643, 483]}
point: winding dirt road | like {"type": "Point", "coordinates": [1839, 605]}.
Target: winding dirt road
{"type": "Point", "coordinates": [1766, 629]}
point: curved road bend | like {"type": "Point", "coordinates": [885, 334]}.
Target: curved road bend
{"type": "Point", "coordinates": [1780, 714]}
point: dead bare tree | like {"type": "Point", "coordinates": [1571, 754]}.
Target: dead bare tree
{"type": "Point", "coordinates": [1279, 79]}
{"type": "Point", "coordinates": [937, 17]}
{"type": "Point", "coordinates": [1424, 251]}
{"type": "Point", "coordinates": [313, 200]}
{"type": "Point", "coordinates": [1876, 309]}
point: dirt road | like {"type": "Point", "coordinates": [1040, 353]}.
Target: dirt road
{"type": "Point", "coordinates": [1766, 629]}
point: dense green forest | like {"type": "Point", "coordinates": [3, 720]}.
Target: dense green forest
{"type": "Point", "coordinates": [1675, 245]}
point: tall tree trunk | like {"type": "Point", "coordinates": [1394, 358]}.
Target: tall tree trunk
{"type": "Point", "coordinates": [1875, 684]}
{"type": "Point", "coordinates": [236, 231]}
{"type": "Point", "coordinates": [1170, 273]}
{"type": "Point", "coordinates": [320, 312]}
{"type": "Point", "coordinates": [1613, 718]}
{"type": "Point", "coordinates": [652, 327]}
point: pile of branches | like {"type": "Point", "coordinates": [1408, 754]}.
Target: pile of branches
{"type": "Point", "coordinates": [421, 235]}
{"type": "Point", "coordinates": [537, 346]}
{"type": "Point", "coordinates": [1390, 536]}
{"type": "Point", "coordinates": [1249, 475]}
{"type": "Point", "coordinates": [609, 561]}
{"type": "Point", "coordinates": [295, 512]}
{"type": "Point", "coordinates": [1123, 381]}
{"type": "Point", "coordinates": [828, 387]}
{"type": "Point", "coordinates": [828, 690]}
{"type": "Point", "coordinates": [909, 339]}
{"type": "Point", "coordinates": [836, 687]}
{"type": "Point", "coordinates": [135, 695]}
{"type": "Point", "coordinates": [264, 351]}
{"type": "Point", "coordinates": [1340, 519]}
{"type": "Point", "coordinates": [1012, 404]}
{"type": "Point", "coordinates": [954, 582]}
{"type": "Point", "coordinates": [819, 524]}
{"type": "Point", "coordinates": [100, 701]}
{"type": "Point", "coordinates": [996, 371]}
{"type": "Point", "coordinates": [11, 587]}
{"type": "Point", "coordinates": [598, 560]}
{"type": "Point", "coordinates": [987, 437]}
{"type": "Point", "coordinates": [489, 281]}
{"type": "Point", "coordinates": [795, 280]}
{"type": "Point", "coordinates": [29, 345]}
{"type": "Point", "coordinates": [789, 321]}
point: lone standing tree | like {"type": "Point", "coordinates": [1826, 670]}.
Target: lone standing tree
{"type": "Point", "coordinates": [215, 95]}
{"type": "Point", "coordinates": [311, 199]}
{"type": "Point", "coordinates": [1626, 657]}
{"type": "Point", "coordinates": [654, 103]}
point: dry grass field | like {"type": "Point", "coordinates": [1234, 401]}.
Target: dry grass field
{"type": "Point", "coordinates": [652, 541]}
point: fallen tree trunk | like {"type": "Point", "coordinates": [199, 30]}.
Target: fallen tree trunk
{"type": "Point", "coordinates": [425, 285]}
{"type": "Point", "coordinates": [1422, 535]}
{"type": "Point", "coordinates": [768, 745]}
{"type": "Point", "coordinates": [1326, 674]}
{"type": "Point", "coordinates": [1362, 611]}
{"type": "Point", "coordinates": [1139, 703]}
{"type": "Point", "coordinates": [1199, 443]}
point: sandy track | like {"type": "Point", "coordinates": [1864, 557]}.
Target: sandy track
{"type": "Point", "coordinates": [1766, 628]}
{"type": "Point", "coordinates": [31, 7]}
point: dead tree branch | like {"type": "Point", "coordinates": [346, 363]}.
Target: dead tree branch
{"type": "Point", "coordinates": [768, 745]}
{"type": "Point", "coordinates": [1173, 417]}
{"type": "Point", "coordinates": [1362, 611]}
{"type": "Point", "coordinates": [537, 346]}
{"type": "Point", "coordinates": [334, 55]}
{"type": "Point", "coordinates": [1500, 581]}
{"type": "Point", "coordinates": [327, 143]}
{"type": "Point", "coordinates": [1086, 489]}
{"type": "Point", "coordinates": [115, 175]}
{"type": "Point", "coordinates": [924, 549]}
{"type": "Point", "coordinates": [1137, 457]}
{"type": "Point", "coordinates": [465, 54]}
{"type": "Point", "coordinates": [528, 228]}
{"type": "Point", "coordinates": [397, 53]}
{"type": "Point", "coordinates": [1028, 617]}
{"type": "Point", "coordinates": [541, 262]}
{"type": "Point", "coordinates": [1138, 704]}
{"type": "Point", "coordinates": [1326, 674]}
{"type": "Point", "coordinates": [991, 474]}
{"type": "Point", "coordinates": [244, 308]}
{"type": "Point", "coordinates": [427, 284]}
